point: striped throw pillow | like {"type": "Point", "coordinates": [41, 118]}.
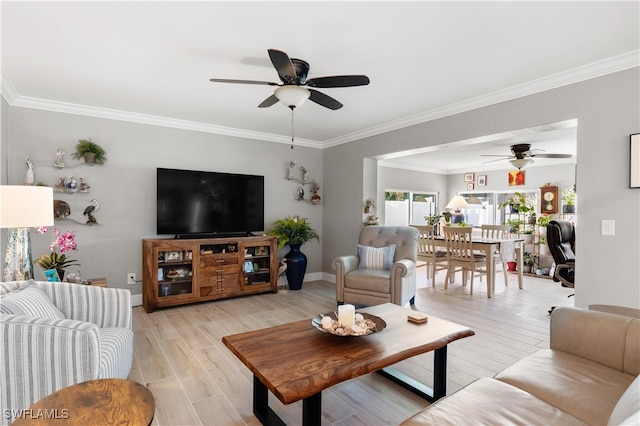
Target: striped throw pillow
{"type": "Point", "coordinates": [376, 258]}
{"type": "Point", "coordinates": [30, 301]}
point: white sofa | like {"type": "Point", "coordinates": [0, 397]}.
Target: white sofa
{"type": "Point", "coordinates": [588, 376]}
{"type": "Point", "coordinates": [58, 334]}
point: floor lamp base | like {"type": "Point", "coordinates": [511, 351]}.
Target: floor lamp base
{"type": "Point", "coordinates": [18, 264]}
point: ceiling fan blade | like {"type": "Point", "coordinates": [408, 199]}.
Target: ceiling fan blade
{"type": "Point", "coordinates": [226, 80]}
{"type": "Point", "coordinates": [268, 102]}
{"type": "Point", "coordinates": [496, 155]}
{"type": "Point", "coordinates": [283, 65]}
{"type": "Point", "coordinates": [324, 100]}
{"type": "Point", "coordinates": [552, 155]}
{"type": "Point", "coordinates": [338, 81]}
{"type": "Point", "coordinates": [497, 159]}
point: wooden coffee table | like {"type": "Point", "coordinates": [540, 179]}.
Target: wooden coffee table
{"type": "Point", "coordinates": [296, 362]}
{"type": "Point", "coordinates": [96, 402]}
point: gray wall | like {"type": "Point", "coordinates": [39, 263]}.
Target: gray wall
{"type": "Point", "coordinates": [125, 185]}
{"type": "Point", "coordinates": [561, 175]}
{"type": "Point", "coordinates": [608, 111]}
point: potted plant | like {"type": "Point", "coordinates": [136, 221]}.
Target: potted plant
{"type": "Point", "coordinates": [568, 200]}
{"type": "Point", "coordinates": [544, 248]}
{"type": "Point", "coordinates": [57, 259]}
{"type": "Point", "coordinates": [518, 203]}
{"type": "Point", "coordinates": [90, 151]}
{"type": "Point", "coordinates": [527, 262]}
{"type": "Point", "coordinates": [527, 235]}
{"type": "Point", "coordinates": [514, 224]}
{"type": "Point", "coordinates": [543, 221]}
{"type": "Point", "coordinates": [294, 231]}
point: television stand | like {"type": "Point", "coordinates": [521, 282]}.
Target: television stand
{"type": "Point", "coordinates": [182, 271]}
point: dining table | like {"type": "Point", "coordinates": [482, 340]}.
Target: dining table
{"type": "Point", "coordinates": [488, 247]}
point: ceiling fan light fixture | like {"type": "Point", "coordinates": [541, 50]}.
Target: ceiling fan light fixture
{"type": "Point", "coordinates": [292, 96]}
{"type": "Point", "coordinates": [519, 163]}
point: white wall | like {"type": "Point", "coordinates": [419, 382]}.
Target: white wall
{"type": "Point", "coordinates": [125, 185]}
{"type": "Point", "coordinates": [608, 111]}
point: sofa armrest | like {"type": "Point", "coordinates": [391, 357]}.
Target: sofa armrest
{"type": "Point", "coordinates": [609, 339]}
{"type": "Point", "coordinates": [343, 265]}
{"type": "Point", "coordinates": [42, 355]}
{"type": "Point", "coordinates": [403, 281]}
{"type": "Point", "coordinates": [403, 268]}
{"type": "Point", "coordinates": [105, 307]}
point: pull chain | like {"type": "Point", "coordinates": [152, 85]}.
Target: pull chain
{"type": "Point", "coordinates": [292, 137]}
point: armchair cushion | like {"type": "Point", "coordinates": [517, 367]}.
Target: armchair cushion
{"type": "Point", "coordinates": [30, 301]}
{"type": "Point", "coordinates": [377, 258]}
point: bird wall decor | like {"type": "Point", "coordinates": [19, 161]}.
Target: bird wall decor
{"type": "Point", "coordinates": [89, 210]}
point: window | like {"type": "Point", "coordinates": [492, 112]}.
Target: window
{"type": "Point", "coordinates": [406, 207]}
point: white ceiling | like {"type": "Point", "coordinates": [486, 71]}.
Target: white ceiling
{"type": "Point", "coordinates": [151, 62]}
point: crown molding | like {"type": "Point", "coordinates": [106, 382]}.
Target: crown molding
{"type": "Point", "coordinates": [13, 99]}
{"type": "Point", "coordinates": [575, 75]}
{"type": "Point", "coordinates": [597, 69]}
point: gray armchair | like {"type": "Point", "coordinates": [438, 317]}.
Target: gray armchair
{"type": "Point", "coordinates": [59, 334]}
{"type": "Point", "coordinates": [357, 282]}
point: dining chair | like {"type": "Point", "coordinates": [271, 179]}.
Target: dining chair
{"type": "Point", "coordinates": [435, 259]}
{"type": "Point", "coordinates": [460, 255]}
{"type": "Point", "coordinates": [497, 232]}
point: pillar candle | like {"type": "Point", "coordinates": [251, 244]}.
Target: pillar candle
{"type": "Point", "coordinates": [346, 315]}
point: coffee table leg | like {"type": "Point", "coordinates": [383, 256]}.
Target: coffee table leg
{"type": "Point", "coordinates": [311, 407]}
{"type": "Point", "coordinates": [439, 378]}
{"type": "Point", "coordinates": [440, 373]}
{"type": "Point", "coordinates": [312, 410]}
{"type": "Point", "coordinates": [261, 408]}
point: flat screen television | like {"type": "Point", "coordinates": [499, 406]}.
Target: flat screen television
{"type": "Point", "coordinates": [197, 203]}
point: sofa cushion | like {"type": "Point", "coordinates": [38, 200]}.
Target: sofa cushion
{"type": "Point", "coordinates": [627, 410]}
{"type": "Point", "coordinates": [116, 352]}
{"type": "Point", "coordinates": [29, 300]}
{"type": "Point", "coordinates": [491, 402]}
{"type": "Point", "coordinates": [570, 383]}
{"type": "Point", "coordinates": [376, 258]}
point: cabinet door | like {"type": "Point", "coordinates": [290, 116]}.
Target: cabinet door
{"type": "Point", "coordinates": [257, 269]}
{"type": "Point", "coordinates": [175, 272]}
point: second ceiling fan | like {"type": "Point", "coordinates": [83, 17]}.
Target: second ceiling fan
{"type": "Point", "coordinates": [522, 154]}
{"type": "Point", "coordinates": [295, 88]}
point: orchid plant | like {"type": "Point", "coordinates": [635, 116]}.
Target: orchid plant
{"type": "Point", "coordinates": [57, 259]}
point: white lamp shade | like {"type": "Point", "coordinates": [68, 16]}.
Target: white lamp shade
{"type": "Point", "coordinates": [457, 202]}
{"type": "Point", "coordinates": [25, 206]}
{"type": "Point", "coordinates": [519, 163]}
{"type": "Point", "coordinates": [292, 96]}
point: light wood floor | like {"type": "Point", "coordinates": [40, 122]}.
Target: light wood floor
{"type": "Point", "coordinates": [197, 381]}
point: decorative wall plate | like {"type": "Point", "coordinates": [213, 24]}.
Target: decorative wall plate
{"type": "Point", "coordinates": [61, 209]}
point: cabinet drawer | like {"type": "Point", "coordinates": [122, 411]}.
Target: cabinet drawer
{"type": "Point", "coordinates": [218, 259]}
{"type": "Point", "coordinates": [220, 270]}
{"type": "Point", "coordinates": [218, 280]}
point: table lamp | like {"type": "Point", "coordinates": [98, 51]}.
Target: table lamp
{"type": "Point", "coordinates": [21, 208]}
{"type": "Point", "coordinates": [457, 203]}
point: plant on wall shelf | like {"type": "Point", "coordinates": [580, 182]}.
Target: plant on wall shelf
{"type": "Point", "coordinates": [90, 151]}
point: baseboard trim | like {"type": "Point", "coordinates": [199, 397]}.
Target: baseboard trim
{"type": "Point", "coordinates": [136, 299]}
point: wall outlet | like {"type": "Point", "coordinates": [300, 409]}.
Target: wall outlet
{"type": "Point", "coordinates": [131, 278]}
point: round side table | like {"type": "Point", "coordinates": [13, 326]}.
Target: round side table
{"type": "Point", "coordinates": [96, 402]}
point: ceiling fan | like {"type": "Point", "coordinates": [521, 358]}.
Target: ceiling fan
{"type": "Point", "coordinates": [522, 154]}
{"type": "Point", "coordinates": [295, 88]}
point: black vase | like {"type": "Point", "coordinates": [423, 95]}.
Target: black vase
{"type": "Point", "coordinates": [296, 266]}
